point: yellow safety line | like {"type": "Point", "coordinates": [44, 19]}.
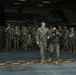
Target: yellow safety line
{"type": "Point", "coordinates": [16, 63]}
{"type": "Point", "coordinates": [2, 64]}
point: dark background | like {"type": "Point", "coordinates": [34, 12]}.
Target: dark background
{"type": "Point", "coordinates": [57, 12]}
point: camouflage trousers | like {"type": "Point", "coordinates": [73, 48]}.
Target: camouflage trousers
{"type": "Point", "coordinates": [54, 47]}
{"type": "Point", "coordinates": [16, 42]}
{"type": "Point", "coordinates": [24, 41]}
{"type": "Point", "coordinates": [8, 42]}
{"type": "Point", "coordinates": [65, 45]}
{"type": "Point", "coordinates": [72, 45]}
{"type": "Point", "coordinates": [42, 46]}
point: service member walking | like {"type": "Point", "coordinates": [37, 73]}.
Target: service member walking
{"type": "Point", "coordinates": [54, 44]}
{"type": "Point", "coordinates": [41, 38]}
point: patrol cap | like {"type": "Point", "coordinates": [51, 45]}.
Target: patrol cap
{"type": "Point", "coordinates": [72, 28]}
{"type": "Point", "coordinates": [54, 28]}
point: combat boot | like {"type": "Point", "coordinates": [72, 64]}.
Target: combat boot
{"type": "Point", "coordinates": [73, 51]}
{"type": "Point", "coordinates": [50, 59]}
{"type": "Point", "coordinates": [42, 60]}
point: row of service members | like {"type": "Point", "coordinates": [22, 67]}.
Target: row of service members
{"type": "Point", "coordinates": [67, 38]}
{"type": "Point", "coordinates": [24, 36]}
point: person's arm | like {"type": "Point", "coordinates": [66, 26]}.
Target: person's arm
{"type": "Point", "coordinates": [6, 29]}
{"type": "Point", "coordinates": [37, 36]}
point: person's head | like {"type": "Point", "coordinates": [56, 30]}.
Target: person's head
{"type": "Point", "coordinates": [43, 24]}
{"type": "Point", "coordinates": [67, 30]}
{"type": "Point", "coordinates": [60, 27]}
{"type": "Point", "coordinates": [25, 27]}
{"type": "Point", "coordinates": [33, 28]}
{"type": "Point", "coordinates": [29, 36]}
{"type": "Point", "coordinates": [54, 29]}
{"type": "Point", "coordinates": [16, 27]}
{"type": "Point", "coordinates": [51, 27]}
{"type": "Point", "coordinates": [71, 29]}
{"type": "Point", "coordinates": [8, 25]}
{"type": "Point", "coordinates": [64, 28]}
{"type": "Point", "coordinates": [36, 26]}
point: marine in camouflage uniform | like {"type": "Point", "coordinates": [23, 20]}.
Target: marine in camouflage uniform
{"type": "Point", "coordinates": [54, 44]}
{"type": "Point", "coordinates": [41, 38]}
{"type": "Point", "coordinates": [24, 34]}
{"type": "Point", "coordinates": [72, 36]}
{"type": "Point", "coordinates": [29, 42]}
{"type": "Point", "coordinates": [16, 37]}
{"type": "Point", "coordinates": [66, 40]}
{"type": "Point", "coordinates": [33, 34]}
{"type": "Point", "coordinates": [60, 39]}
{"type": "Point", "coordinates": [9, 36]}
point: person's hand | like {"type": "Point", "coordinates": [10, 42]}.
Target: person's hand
{"type": "Point", "coordinates": [12, 29]}
{"type": "Point", "coordinates": [53, 34]}
{"type": "Point", "coordinates": [57, 33]}
{"type": "Point", "coordinates": [37, 42]}
{"type": "Point", "coordinates": [12, 37]}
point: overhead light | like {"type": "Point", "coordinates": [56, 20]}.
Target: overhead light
{"type": "Point", "coordinates": [22, 0]}
{"type": "Point", "coordinates": [40, 5]}
{"type": "Point", "coordinates": [17, 3]}
{"type": "Point", "coordinates": [46, 1]}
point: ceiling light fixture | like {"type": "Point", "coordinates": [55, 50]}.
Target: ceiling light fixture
{"type": "Point", "coordinates": [46, 1]}
{"type": "Point", "coordinates": [22, 0]}
{"type": "Point", "coordinates": [40, 5]}
{"type": "Point", "coordinates": [17, 3]}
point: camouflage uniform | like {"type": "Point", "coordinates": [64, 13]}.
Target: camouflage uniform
{"type": "Point", "coordinates": [72, 41]}
{"type": "Point", "coordinates": [60, 39]}
{"type": "Point", "coordinates": [42, 39]}
{"type": "Point", "coordinates": [16, 38]}
{"type": "Point", "coordinates": [29, 42]}
{"type": "Point", "coordinates": [64, 37]}
{"type": "Point", "coordinates": [24, 35]}
{"type": "Point", "coordinates": [33, 33]}
{"type": "Point", "coordinates": [66, 40]}
{"type": "Point", "coordinates": [9, 36]}
{"type": "Point", "coordinates": [54, 44]}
